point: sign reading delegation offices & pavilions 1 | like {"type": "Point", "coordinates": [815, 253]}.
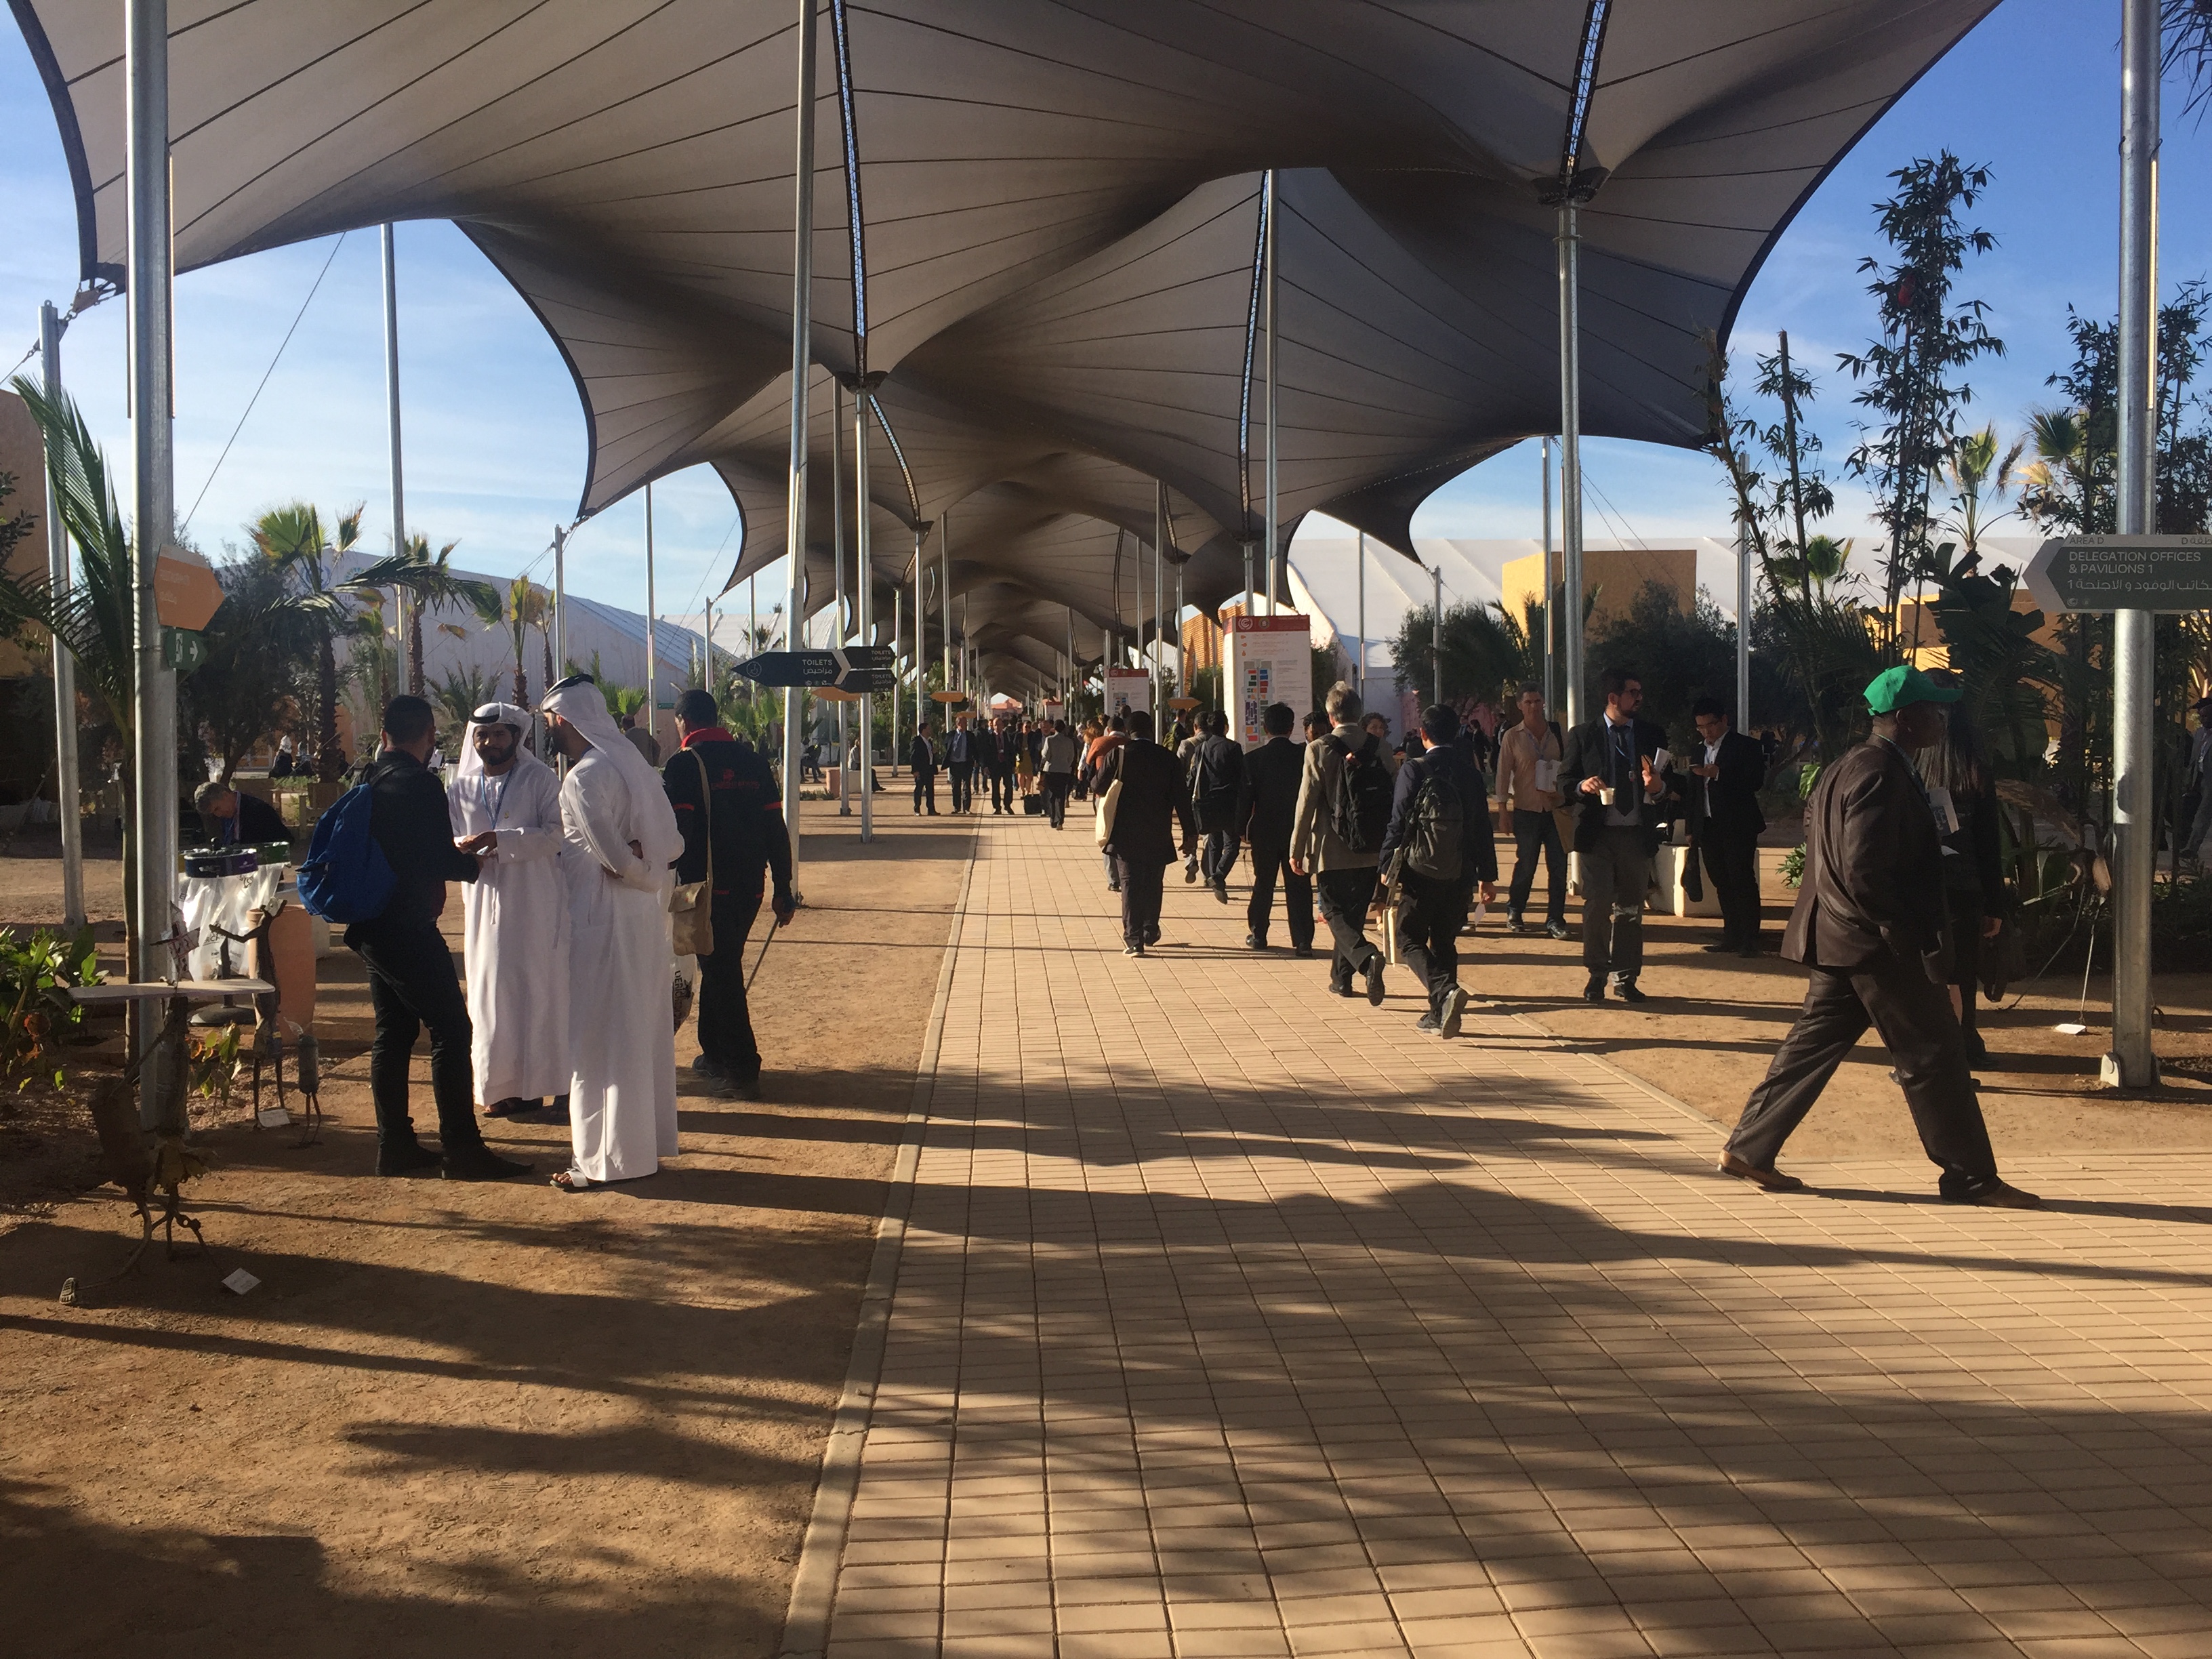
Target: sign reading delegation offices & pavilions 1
{"type": "Point", "coordinates": [2122, 573]}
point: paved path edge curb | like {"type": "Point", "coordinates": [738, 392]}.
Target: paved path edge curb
{"type": "Point", "coordinates": [814, 1586]}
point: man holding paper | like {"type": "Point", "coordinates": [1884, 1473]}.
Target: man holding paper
{"type": "Point", "coordinates": [1527, 804]}
{"type": "Point", "coordinates": [1613, 765]}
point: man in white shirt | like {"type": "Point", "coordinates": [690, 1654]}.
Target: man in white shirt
{"type": "Point", "coordinates": [506, 809]}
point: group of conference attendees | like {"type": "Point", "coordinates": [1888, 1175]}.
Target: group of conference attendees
{"type": "Point", "coordinates": [1902, 888]}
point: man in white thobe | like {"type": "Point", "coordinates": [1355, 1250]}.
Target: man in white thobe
{"type": "Point", "coordinates": [622, 837]}
{"type": "Point", "coordinates": [506, 808]}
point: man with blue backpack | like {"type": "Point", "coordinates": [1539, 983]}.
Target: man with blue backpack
{"type": "Point", "coordinates": [1440, 849]}
{"type": "Point", "coordinates": [382, 858]}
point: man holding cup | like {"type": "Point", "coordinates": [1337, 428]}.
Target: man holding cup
{"type": "Point", "coordinates": [1612, 770]}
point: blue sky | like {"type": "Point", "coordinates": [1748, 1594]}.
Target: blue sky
{"type": "Point", "coordinates": [495, 439]}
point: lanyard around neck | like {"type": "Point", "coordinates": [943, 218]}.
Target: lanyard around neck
{"type": "Point", "coordinates": [493, 807]}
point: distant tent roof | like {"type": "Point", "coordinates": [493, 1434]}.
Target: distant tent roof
{"type": "Point", "coordinates": [1058, 213]}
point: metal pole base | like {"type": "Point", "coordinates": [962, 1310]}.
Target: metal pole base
{"type": "Point", "coordinates": [2111, 1073]}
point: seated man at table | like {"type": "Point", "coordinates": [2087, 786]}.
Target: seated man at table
{"type": "Point", "coordinates": [238, 819]}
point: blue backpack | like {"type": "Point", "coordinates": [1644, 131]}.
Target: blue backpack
{"type": "Point", "coordinates": [345, 877]}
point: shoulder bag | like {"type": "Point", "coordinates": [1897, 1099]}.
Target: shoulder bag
{"type": "Point", "coordinates": [1109, 799]}
{"type": "Point", "coordinates": [691, 903]}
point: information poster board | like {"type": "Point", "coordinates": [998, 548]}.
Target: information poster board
{"type": "Point", "coordinates": [1128, 689]}
{"type": "Point", "coordinates": [1266, 659]}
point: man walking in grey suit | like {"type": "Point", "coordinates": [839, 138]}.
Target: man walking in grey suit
{"type": "Point", "coordinates": [1868, 922]}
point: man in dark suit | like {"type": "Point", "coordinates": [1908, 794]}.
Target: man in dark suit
{"type": "Point", "coordinates": [922, 756]}
{"type": "Point", "coordinates": [1266, 805]}
{"type": "Point", "coordinates": [1217, 786]}
{"type": "Point", "coordinates": [1868, 922]}
{"type": "Point", "coordinates": [1609, 775]}
{"type": "Point", "coordinates": [1721, 793]}
{"type": "Point", "coordinates": [1005, 751]}
{"type": "Point", "coordinates": [1154, 798]}
{"type": "Point", "coordinates": [960, 751]}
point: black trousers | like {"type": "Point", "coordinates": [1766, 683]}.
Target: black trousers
{"type": "Point", "coordinates": [963, 784]}
{"type": "Point", "coordinates": [1217, 855]}
{"type": "Point", "coordinates": [1141, 882]}
{"type": "Point", "coordinates": [1428, 934]}
{"type": "Point", "coordinates": [1268, 863]}
{"type": "Point", "coordinates": [725, 1023]}
{"type": "Point", "coordinates": [1731, 859]}
{"type": "Point", "coordinates": [1002, 791]}
{"type": "Point", "coordinates": [1616, 875]}
{"type": "Point", "coordinates": [412, 984]}
{"type": "Point", "coordinates": [925, 791]}
{"type": "Point", "coordinates": [1966, 912]}
{"type": "Point", "coordinates": [1055, 795]}
{"type": "Point", "coordinates": [1534, 834]}
{"type": "Point", "coordinates": [1345, 895]}
{"type": "Point", "coordinates": [1913, 1014]}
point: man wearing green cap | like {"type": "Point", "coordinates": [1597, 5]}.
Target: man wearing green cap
{"type": "Point", "coordinates": [1868, 922]}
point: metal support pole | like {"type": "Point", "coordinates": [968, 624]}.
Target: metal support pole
{"type": "Point", "coordinates": [561, 605]}
{"type": "Point", "coordinates": [1551, 590]}
{"type": "Point", "coordinates": [2133, 1064]}
{"type": "Point", "coordinates": [1570, 456]}
{"type": "Point", "coordinates": [66, 808]}
{"type": "Point", "coordinates": [1360, 566]}
{"type": "Point", "coordinates": [1436, 640]}
{"type": "Point", "coordinates": [861, 596]}
{"type": "Point", "coordinates": [1182, 662]}
{"type": "Point", "coordinates": [652, 621]}
{"type": "Point", "coordinates": [1251, 593]}
{"type": "Point", "coordinates": [1159, 605]}
{"type": "Point", "coordinates": [920, 627]}
{"type": "Point", "coordinates": [410, 619]}
{"type": "Point", "coordinates": [839, 634]}
{"type": "Point", "coordinates": [898, 629]}
{"type": "Point", "coordinates": [945, 564]}
{"type": "Point", "coordinates": [802, 296]}
{"type": "Point", "coordinates": [153, 493]}
{"type": "Point", "coordinates": [1743, 630]}
{"type": "Point", "coordinates": [1274, 543]}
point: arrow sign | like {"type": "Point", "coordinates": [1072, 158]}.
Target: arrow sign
{"type": "Point", "coordinates": [2122, 573]}
{"type": "Point", "coordinates": [854, 669]}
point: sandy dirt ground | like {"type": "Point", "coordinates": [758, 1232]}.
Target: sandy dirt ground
{"type": "Point", "coordinates": [1711, 1025]}
{"type": "Point", "coordinates": [488, 1419]}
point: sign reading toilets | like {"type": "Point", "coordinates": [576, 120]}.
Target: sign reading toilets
{"type": "Point", "coordinates": [1265, 659]}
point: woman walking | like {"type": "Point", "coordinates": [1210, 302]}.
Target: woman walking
{"type": "Point", "coordinates": [1138, 834]}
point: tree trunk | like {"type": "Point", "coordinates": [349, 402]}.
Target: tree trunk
{"type": "Point", "coordinates": [411, 623]}
{"type": "Point", "coordinates": [327, 769]}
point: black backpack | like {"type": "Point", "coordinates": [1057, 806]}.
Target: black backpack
{"type": "Point", "coordinates": [1361, 814]}
{"type": "Point", "coordinates": [1436, 839]}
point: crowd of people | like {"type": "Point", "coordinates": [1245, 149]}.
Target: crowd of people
{"type": "Point", "coordinates": [1393, 846]}
{"type": "Point", "coordinates": [565, 1009]}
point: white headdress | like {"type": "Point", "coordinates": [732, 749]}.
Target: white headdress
{"type": "Point", "coordinates": [580, 701]}
{"type": "Point", "coordinates": [469, 765]}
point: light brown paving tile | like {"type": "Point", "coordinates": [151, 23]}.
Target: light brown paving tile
{"type": "Point", "coordinates": [1233, 1319]}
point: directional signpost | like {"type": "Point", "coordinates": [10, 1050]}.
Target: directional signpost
{"type": "Point", "coordinates": [851, 669]}
{"type": "Point", "coordinates": [2122, 573]}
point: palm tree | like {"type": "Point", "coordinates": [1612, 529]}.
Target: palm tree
{"type": "Point", "coordinates": [293, 536]}
{"type": "Point", "coordinates": [1972, 465]}
{"type": "Point", "coordinates": [2055, 486]}
{"type": "Point", "coordinates": [527, 607]}
{"type": "Point", "coordinates": [461, 693]}
{"type": "Point", "coordinates": [434, 585]}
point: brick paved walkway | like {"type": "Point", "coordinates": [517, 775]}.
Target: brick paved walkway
{"type": "Point", "coordinates": [1234, 1319]}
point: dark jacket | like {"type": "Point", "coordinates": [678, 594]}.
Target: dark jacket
{"type": "Point", "coordinates": [1734, 793]}
{"type": "Point", "coordinates": [1874, 879]}
{"type": "Point", "coordinates": [984, 749]}
{"type": "Point", "coordinates": [921, 755]}
{"type": "Point", "coordinates": [1153, 800]}
{"type": "Point", "coordinates": [1590, 753]}
{"type": "Point", "coordinates": [1448, 762]}
{"type": "Point", "coordinates": [747, 815]}
{"type": "Point", "coordinates": [1268, 803]}
{"type": "Point", "coordinates": [1217, 782]}
{"type": "Point", "coordinates": [256, 822]}
{"type": "Point", "coordinates": [408, 817]}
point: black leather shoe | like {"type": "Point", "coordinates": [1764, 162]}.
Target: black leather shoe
{"type": "Point", "coordinates": [1595, 991]}
{"type": "Point", "coordinates": [1556, 929]}
{"type": "Point", "coordinates": [1515, 925]}
{"type": "Point", "coordinates": [1343, 990]}
{"type": "Point", "coordinates": [404, 1159]}
{"type": "Point", "coordinates": [1132, 950]}
{"type": "Point", "coordinates": [1302, 952]}
{"type": "Point", "coordinates": [1627, 992]}
{"type": "Point", "coordinates": [1255, 941]}
{"type": "Point", "coordinates": [1374, 980]}
{"type": "Point", "coordinates": [1773, 1180]}
{"type": "Point", "coordinates": [1716, 948]}
{"type": "Point", "coordinates": [1992, 1192]}
{"type": "Point", "coordinates": [1221, 891]}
